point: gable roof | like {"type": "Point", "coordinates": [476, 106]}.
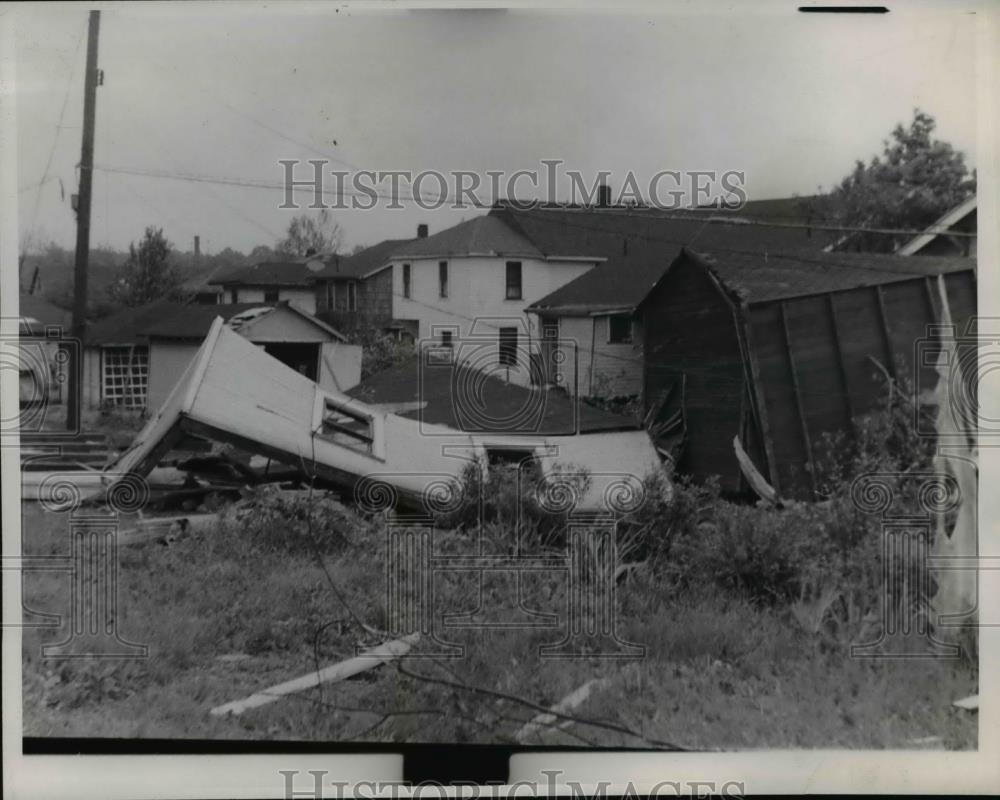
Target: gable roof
{"type": "Point", "coordinates": [194, 321]}
{"type": "Point", "coordinates": [362, 263]}
{"type": "Point", "coordinates": [497, 401]}
{"type": "Point", "coordinates": [762, 277]}
{"type": "Point", "coordinates": [752, 275]}
{"type": "Point", "coordinates": [938, 227]}
{"type": "Point", "coordinates": [272, 273]}
{"type": "Point", "coordinates": [488, 235]}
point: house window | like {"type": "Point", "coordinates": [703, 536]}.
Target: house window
{"type": "Point", "coordinates": [347, 427]}
{"type": "Point", "coordinates": [442, 278]}
{"type": "Point", "coordinates": [270, 295]}
{"type": "Point", "coordinates": [513, 280]}
{"type": "Point", "coordinates": [331, 296]}
{"type": "Point", "coordinates": [620, 329]}
{"type": "Point", "coordinates": [352, 296]}
{"type": "Point", "coordinates": [233, 295]}
{"type": "Point", "coordinates": [508, 347]}
{"type": "Point", "coordinates": [124, 376]}
{"type": "Point", "coordinates": [446, 338]}
{"type": "Point", "coordinates": [406, 280]}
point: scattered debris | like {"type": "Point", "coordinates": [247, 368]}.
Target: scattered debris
{"type": "Point", "coordinates": [233, 658]}
{"type": "Point", "coordinates": [337, 672]}
{"type": "Point", "coordinates": [165, 530]}
{"type": "Point", "coordinates": [757, 482]}
{"type": "Point", "coordinates": [568, 703]}
{"type": "Point", "coordinates": [970, 703]}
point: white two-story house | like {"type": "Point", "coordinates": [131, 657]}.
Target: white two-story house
{"type": "Point", "coordinates": [465, 288]}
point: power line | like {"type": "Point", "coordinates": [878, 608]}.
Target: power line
{"type": "Point", "coordinates": [648, 213]}
{"type": "Point", "coordinates": [55, 139]}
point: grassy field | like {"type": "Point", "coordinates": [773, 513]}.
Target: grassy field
{"type": "Point", "coordinates": [258, 600]}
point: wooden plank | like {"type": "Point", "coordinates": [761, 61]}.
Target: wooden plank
{"type": "Point", "coordinates": [797, 392]}
{"type": "Point", "coordinates": [753, 477]}
{"type": "Point", "coordinates": [886, 334]}
{"type": "Point", "coordinates": [568, 703]}
{"type": "Point", "coordinates": [336, 672]}
{"type": "Point", "coordinates": [839, 349]}
{"type": "Point", "coordinates": [929, 296]}
{"type": "Point", "coordinates": [758, 390]}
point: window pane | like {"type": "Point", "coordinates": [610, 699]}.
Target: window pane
{"type": "Point", "coordinates": [508, 346]}
{"type": "Point", "coordinates": [513, 280]}
{"type": "Point", "coordinates": [443, 278]}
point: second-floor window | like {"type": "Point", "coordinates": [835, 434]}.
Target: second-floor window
{"type": "Point", "coordinates": [513, 280]}
{"type": "Point", "coordinates": [352, 296]}
{"type": "Point", "coordinates": [270, 295]}
{"type": "Point", "coordinates": [406, 280]}
{"type": "Point", "coordinates": [442, 278]}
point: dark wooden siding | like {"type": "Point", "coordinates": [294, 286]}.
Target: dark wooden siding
{"type": "Point", "coordinates": [815, 358]}
{"type": "Point", "coordinates": [689, 331]}
{"type": "Point", "coordinates": [374, 302]}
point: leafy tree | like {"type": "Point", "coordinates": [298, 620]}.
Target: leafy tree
{"type": "Point", "coordinates": [148, 273]}
{"type": "Point", "coordinates": [911, 184]}
{"type": "Point", "coordinates": [310, 235]}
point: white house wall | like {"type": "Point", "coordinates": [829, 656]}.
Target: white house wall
{"type": "Point", "coordinates": [605, 369]}
{"type": "Point", "coordinates": [476, 289]}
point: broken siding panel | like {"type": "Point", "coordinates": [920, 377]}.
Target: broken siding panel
{"type": "Point", "coordinates": [961, 289]}
{"type": "Point", "coordinates": [782, 406]}
{"type": "Point", "coordinates": [690, 334]}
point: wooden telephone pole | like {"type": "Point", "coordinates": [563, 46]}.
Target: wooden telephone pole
{"type": "Point", "coordinates": [74, 401]}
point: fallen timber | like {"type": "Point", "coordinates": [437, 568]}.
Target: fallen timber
{"type": "Point", "coordinates": [233, 392]}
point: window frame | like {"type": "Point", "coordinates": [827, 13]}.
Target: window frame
{"type": "Point", "coordinates": [508, 266]}
{"type": "Point", "coordinates": [443, 279]}
{"type": "Point", "coordinates": [407, 282]}
{"type": "Point", "coordinates": [631, 329]}
{"type": "Point", "coordinates": [331, 295]}
{"type": "Point", "coordinates": [115, 380]}
{"type": "Point", "coordinates": [507, 350]}
{"type": "Point", "coordinates": [352, 295]}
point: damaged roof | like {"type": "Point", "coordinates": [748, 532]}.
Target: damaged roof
{"type": "Point", "coordinates": [195, 321]}
{"type": "Point", "coordinates": [761, 277]}
{"type": "Point", "coordinates": [495, 406]}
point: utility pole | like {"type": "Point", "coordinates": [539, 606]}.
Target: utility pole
{"type": "Point", "coordinates": [74, 401]}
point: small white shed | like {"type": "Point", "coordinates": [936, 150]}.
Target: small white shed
{"type": "Point", "coordinates": [284, 331]}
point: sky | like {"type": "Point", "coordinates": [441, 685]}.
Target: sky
{"type": "Point", "coordinates": [226, 90]}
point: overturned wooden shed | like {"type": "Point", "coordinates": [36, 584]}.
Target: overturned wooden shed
{"type": "Point", "coordinates": [782, 348]}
